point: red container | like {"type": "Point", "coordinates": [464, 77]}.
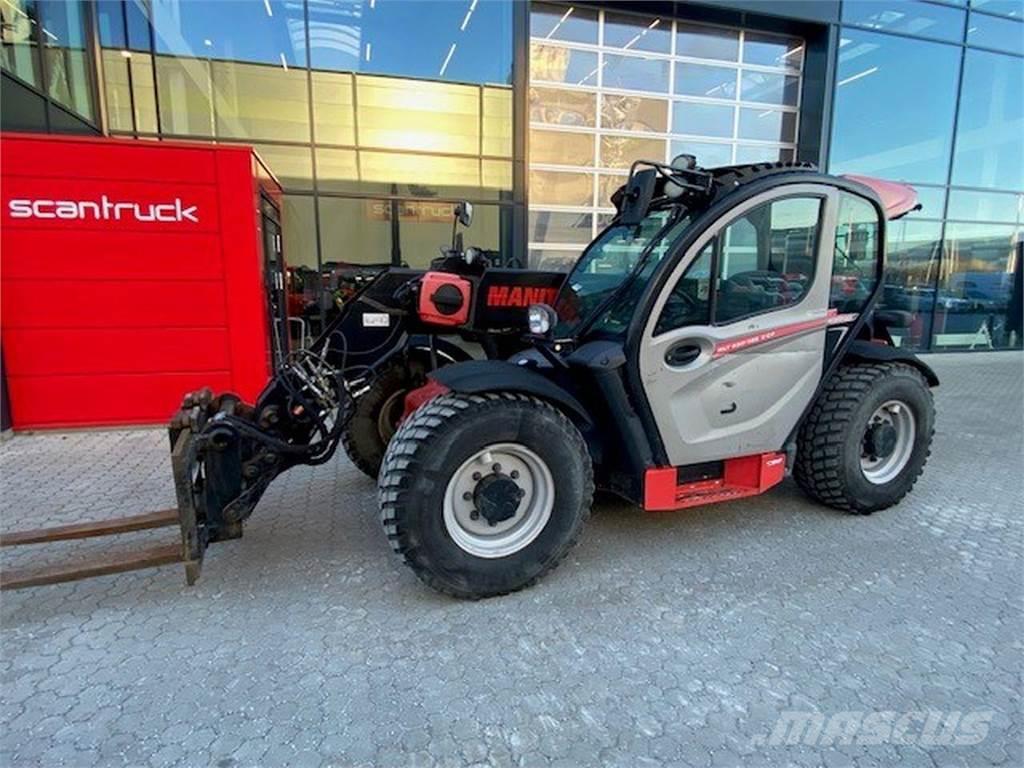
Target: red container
{"type": "Point", "coordinates": [131, 272]}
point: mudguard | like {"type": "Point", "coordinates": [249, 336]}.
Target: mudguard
{"type": "Point", "coordinates": [480, 376]}
{"type": "Point", "coordinates": [868, 351]}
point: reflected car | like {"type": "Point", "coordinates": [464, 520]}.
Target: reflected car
{"type": "Point", "coordinates": [954, 303]}
{"type": "Point", "coordinates": [912, 298]}
{"type": "Point", "coordinates": [991, 298]}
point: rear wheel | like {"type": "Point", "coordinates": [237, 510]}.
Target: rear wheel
{"type": "Point", "coordinates": [867, 437]}
{"type": "Point", "coordinates": [484, 494]}
{"type": "Point", "coordinates": [375, 417]}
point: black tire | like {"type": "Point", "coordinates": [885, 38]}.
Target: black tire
{"type": "Point", "coordinates": [362, 438]}
{"type": "Point", "coordinates": [428, 450]}
{"type": "Point", "coordinates": [831, 439]}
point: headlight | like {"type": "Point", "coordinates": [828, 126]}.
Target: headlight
{"type": "Point", "coordinates": [541, 319]}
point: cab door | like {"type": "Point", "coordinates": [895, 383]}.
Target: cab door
{"type": "Point", "coordinates": [733, 350]}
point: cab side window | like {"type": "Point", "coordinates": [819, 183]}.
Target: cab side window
{"type": "Point", "coordinates": [855, 264]}
{"type": "Point", "coordinates": [767, 258]}
{"type": "Point", "coordinates": [761, 262]}
{"type": "Point", "coordinates": [690, 300]}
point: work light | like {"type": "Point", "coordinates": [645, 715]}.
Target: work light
{"type": "Point", "coordinates": [541, 319]}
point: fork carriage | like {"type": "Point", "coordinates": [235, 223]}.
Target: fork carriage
{"type": "Point", "coordinates": [224, 454]}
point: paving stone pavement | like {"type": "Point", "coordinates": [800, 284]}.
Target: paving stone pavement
{"type": "Point", "coordinates": [665, 639]}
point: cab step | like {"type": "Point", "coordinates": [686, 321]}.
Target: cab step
{"type": "Point", "coordinates": [742, 476]}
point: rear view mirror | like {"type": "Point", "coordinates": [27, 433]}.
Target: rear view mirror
{"type": "Point", "coordinates": [464, 213]}
{"type": "Point", "coordinates": [637, 196]}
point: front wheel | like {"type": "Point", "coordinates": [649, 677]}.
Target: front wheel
{"type": "Point", "coordinates": [866, 439]}
{"type": "Point", "coordinates": [484, 494]}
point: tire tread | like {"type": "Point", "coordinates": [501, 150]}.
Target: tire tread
{"type": "Point", "coordinates": [354, 440]}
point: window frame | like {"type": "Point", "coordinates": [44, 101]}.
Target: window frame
{"type": "Point", "coordinates": [91, 52]}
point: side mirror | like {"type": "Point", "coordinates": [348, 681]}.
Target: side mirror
{"type": "Point", "coordinates": [636, 198]}
{"type": "Point", "coordinates": [894, 318]}
{"type": "Point", "coordinates": [464, 213]}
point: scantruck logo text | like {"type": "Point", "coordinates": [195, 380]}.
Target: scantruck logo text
{"type": "Point", "coordinates": [103, 209]}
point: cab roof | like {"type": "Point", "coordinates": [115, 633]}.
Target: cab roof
{"type": "Point", "coordinates": [699, 187]}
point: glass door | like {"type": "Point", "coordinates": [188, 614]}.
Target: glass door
{"type": "Point", "coordinates": [274, 281]}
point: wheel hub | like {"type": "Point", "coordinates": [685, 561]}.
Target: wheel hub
{"type": "Point", "coordinates": [888, 442]}
{"type": "Point", "coordinates": [880, 441]}
{"type": "Point", "coordinates": [497, 498]}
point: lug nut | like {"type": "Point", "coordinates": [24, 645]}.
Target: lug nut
{"type": "Point", "coordinates": [476, 475]}
{"type": "Point", "coordinates": [514, 474]}
{"type": "Point", "coordinates": [474, 515]}
{"type": "Point", "coordinates": [496, 468]}
{"type": "Point", "coordinates": [521, 493]}
{"type": "Point", "coordinates": [467, 496]}
{"type": "Point", "coordinates": [492, 524]}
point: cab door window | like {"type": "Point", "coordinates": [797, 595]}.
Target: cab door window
{"type": "Point", "coordinates": [690, 300]}
{"type": "Point", "coordinates": [767, 258]}
{"type": "Point", "coordinates": [761, 262]}
{"type": "Point", "coordinates": [855, 264]}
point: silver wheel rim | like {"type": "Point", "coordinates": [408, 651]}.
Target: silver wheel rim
{"type": "Point", "coordinates": [881, 469]}
{"type": "Point", "coordinates": [470, 530]}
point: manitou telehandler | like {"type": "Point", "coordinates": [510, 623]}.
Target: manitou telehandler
{"type": "Point", "coordinates": [719, 334]}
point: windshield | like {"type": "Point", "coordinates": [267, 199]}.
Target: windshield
{"type": "Point", "coordinates": [618, 253]}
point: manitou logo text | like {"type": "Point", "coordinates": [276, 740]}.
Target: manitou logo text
{"type": "Point", "coordinates": [519, 296]}
{"type": "Point", "coordinates": [103, 209]}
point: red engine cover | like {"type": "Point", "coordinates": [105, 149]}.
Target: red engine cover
{"type": "Point", "coordinates": [445, 299]}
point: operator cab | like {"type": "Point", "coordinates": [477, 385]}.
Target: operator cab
{"type": "Point", "coordinates": [725, 295]}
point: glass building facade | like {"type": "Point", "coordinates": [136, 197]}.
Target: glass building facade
{"type": "Point", "coordinates": [377, 115]}
{"type": "Point", "coordinates": [374, 116]}
{"type": "Point", "coordinates": [931, 94]}
{"type": "Point", "coordinates": [47, 46]}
